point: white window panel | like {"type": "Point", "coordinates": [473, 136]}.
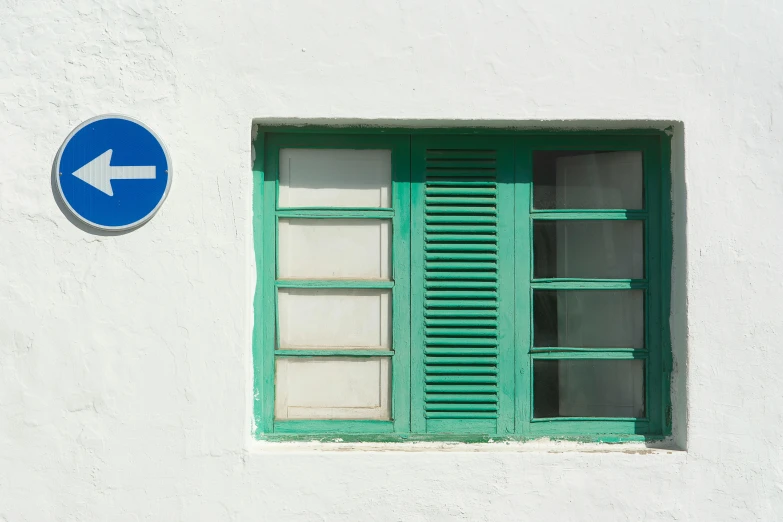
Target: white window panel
{"type": "Point", "coordinates": [336, 318]}
{"type": "Point", "coordinates": [334, 178]}
{"type": "Point", "coordinates": [600, 180]}
{"type": "Point", "coordinates": [332, 388]}
{"type": "Point", "coordinates": [334, 248]}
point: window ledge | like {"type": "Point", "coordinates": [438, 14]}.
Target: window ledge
{"type": "Point", "coordinates": [537, 446]}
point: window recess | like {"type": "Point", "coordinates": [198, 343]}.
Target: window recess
{"type": "Point", "coordinates": [460, 286]}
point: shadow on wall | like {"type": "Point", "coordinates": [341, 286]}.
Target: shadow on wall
{"type": "Point", "coordinates": [678, 320]}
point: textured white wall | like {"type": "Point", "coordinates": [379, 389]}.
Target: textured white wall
{"type": "Point", "coordinates": [125, 388]}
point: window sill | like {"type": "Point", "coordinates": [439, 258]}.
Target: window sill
{"type": "Point", "coordinates": [665, 447]}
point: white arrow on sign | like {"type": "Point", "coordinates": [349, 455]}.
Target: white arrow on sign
{"type": "Point", "coordinates": [99, 173]}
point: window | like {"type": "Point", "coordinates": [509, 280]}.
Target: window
{"type": "Point", "coordinates": [461, 286]}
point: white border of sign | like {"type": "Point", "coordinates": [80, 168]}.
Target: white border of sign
{"type": "Point", "coordinates": [135, 224]}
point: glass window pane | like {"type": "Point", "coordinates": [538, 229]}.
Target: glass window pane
{"type": "Point", "coordinates": [334, 178]}
{"type": "Point", "coordinates": [588, 388]}
{"type": "Point", "coordinates": [587, 179]}
{"type": "Point", "coordinates": [589, 249]}
{"type": "Point", "coordinates": [332, 388]}
{"type": "Point", "coordinates": [334, 318]}
{"type": "Point", "coordinates": [334, 248]}
{"type": "Point", "coordinates": [588, 318]}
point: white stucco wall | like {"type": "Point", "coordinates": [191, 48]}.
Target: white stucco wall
{"type": "Point", "coordinates": [125, 368]}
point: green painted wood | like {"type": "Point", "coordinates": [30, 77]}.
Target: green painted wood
{"type": "Point", "coordinates": [486, 366]}
{"type": "Point", "coordinates": [655, 331]}
{"type": "Point", "coordinates": [484, 267]}
{"type": "Point", "coordinates": [401, 272]}
{"type": "Point", "coordinates": [442, 434]}
{"type": "Point", "coordinates": [399, 145]}
{"type": "Point", "coordinates": [523, 274]}
{"type": "Point", "coordinates": [593, 354]}
{"type": "Point", "coordinates": [474, 351]}
{"type": "Point", "coordinates": [419, 313]}
{"type": "Point", "coordinates": [615, 420]}
{"type": "Point", "coordinates": [666, 246]}
{"type": "Point", "coordinates": [438, 411]}
{"type": "Point", "coordinates": [651, 284]}
{"type": "Point", "coordinates": [564, 349]}
{"type": "Point", "coordinates": [486, 408]}
{"type": "Point", "coordinates": [488, 338]}
{"type": "Point", "coordinates": [478, 285]}
{"type": "Point", "coordinates": [333, 353]}
{"type": "Point", "coordinates": [434, 210]}
{"type": "Point", "coordinates": [588, 284]}
{"type": "Point", "coordinates": [462, 241]}
{"type": "Point", "coordinates": [437, 331]}
{"type": "Point", "coordinates": [260, 359]}
{"type": "Point", "coordinates": [334, 426]}
{"type": "Point", "coordinates": [334, 283]}
{"type": "Point", "coordinates": [374, 129]}
{"type": "Point", "coordinates": [462, 268]}
{"type": "Point", "coordinates": [447, 245]}
{"type": "Point", "coordinates": [588, 215]}
{"type": "Point", "coordinates": [434, 359]}
{"type": "Point", "coordinates": [461, 313]}
{"type": "Point", "coordinates": [461, 389]}
{"type": "Point", "coordinates": [506, 288]}
{"type": "Point", "coordinates": [448, 427]}
{"type": "Point", "coordinates": [451, 399]}
{"type": "Point", "coordinates": [265, 280]}
{"type": "Point", "coordinates": [335, 213]}
{"type": "Point", "coordinates": [588, 429]}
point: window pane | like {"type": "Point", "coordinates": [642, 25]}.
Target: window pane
{"type": "Point", "coordinates": [588, 388]}
{"type": "Point", "coordinates": [587, 179]}
{"type": "Point", "coordinates": [588, 318]}
{"type": "Point", "coordinates": [334, 178]}
{"type": "Point", "coordinates": [589, 249]}
{"type": "Point", "coordinates": [332, 388]}
{"type": "Point", "coordinates": [336, 318]}
{"type": "Point", "coordinates": [334, 248]}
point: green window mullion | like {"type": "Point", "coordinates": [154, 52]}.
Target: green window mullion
{"type": "Point", "coordinates": [591, 428]}
{"type": "Point", "coordinates": [317, 352]}
{"type": "Point", "coordinates": [417, 308]}
{"type": "Point", "coordinates": [506, 289]}
{"type": "Point", "coordinates": [588, 284]}
{"type": "Point", "coordinates": [564, 352]}
{"type": "Point", "coordinates": [401, 275]}
{"type": "Point", "coordinates": [260, 424]}
{"type": "Point", "coordinates": [335, 213]}
{"type": "Point", "coordinates": [665, 236]}
{"type": "Point", "coordinates": [589, 214]}
{"type": "Point", "coordinates": [334, 283]}
{"type": "Point", "coordinates": [328, 429]}
{"type": "Point", "coordinates": [654, 338]}
{"type": "Point", "coordinates": [266, 301]}
{"type": "Point", "coordinates": [523, 270]}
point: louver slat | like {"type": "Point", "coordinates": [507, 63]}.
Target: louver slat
{"type": "Point", "coordinates": [461, 285]}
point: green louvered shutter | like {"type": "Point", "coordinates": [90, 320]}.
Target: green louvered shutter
{"type": "Point", "coordinates": [462, 281]}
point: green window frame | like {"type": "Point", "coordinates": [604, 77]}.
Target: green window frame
{"type": "Point", "coordinates": [437, 393]}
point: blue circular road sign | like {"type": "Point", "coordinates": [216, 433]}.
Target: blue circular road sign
{"type": "Point", "coordinates": [113, 172]}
